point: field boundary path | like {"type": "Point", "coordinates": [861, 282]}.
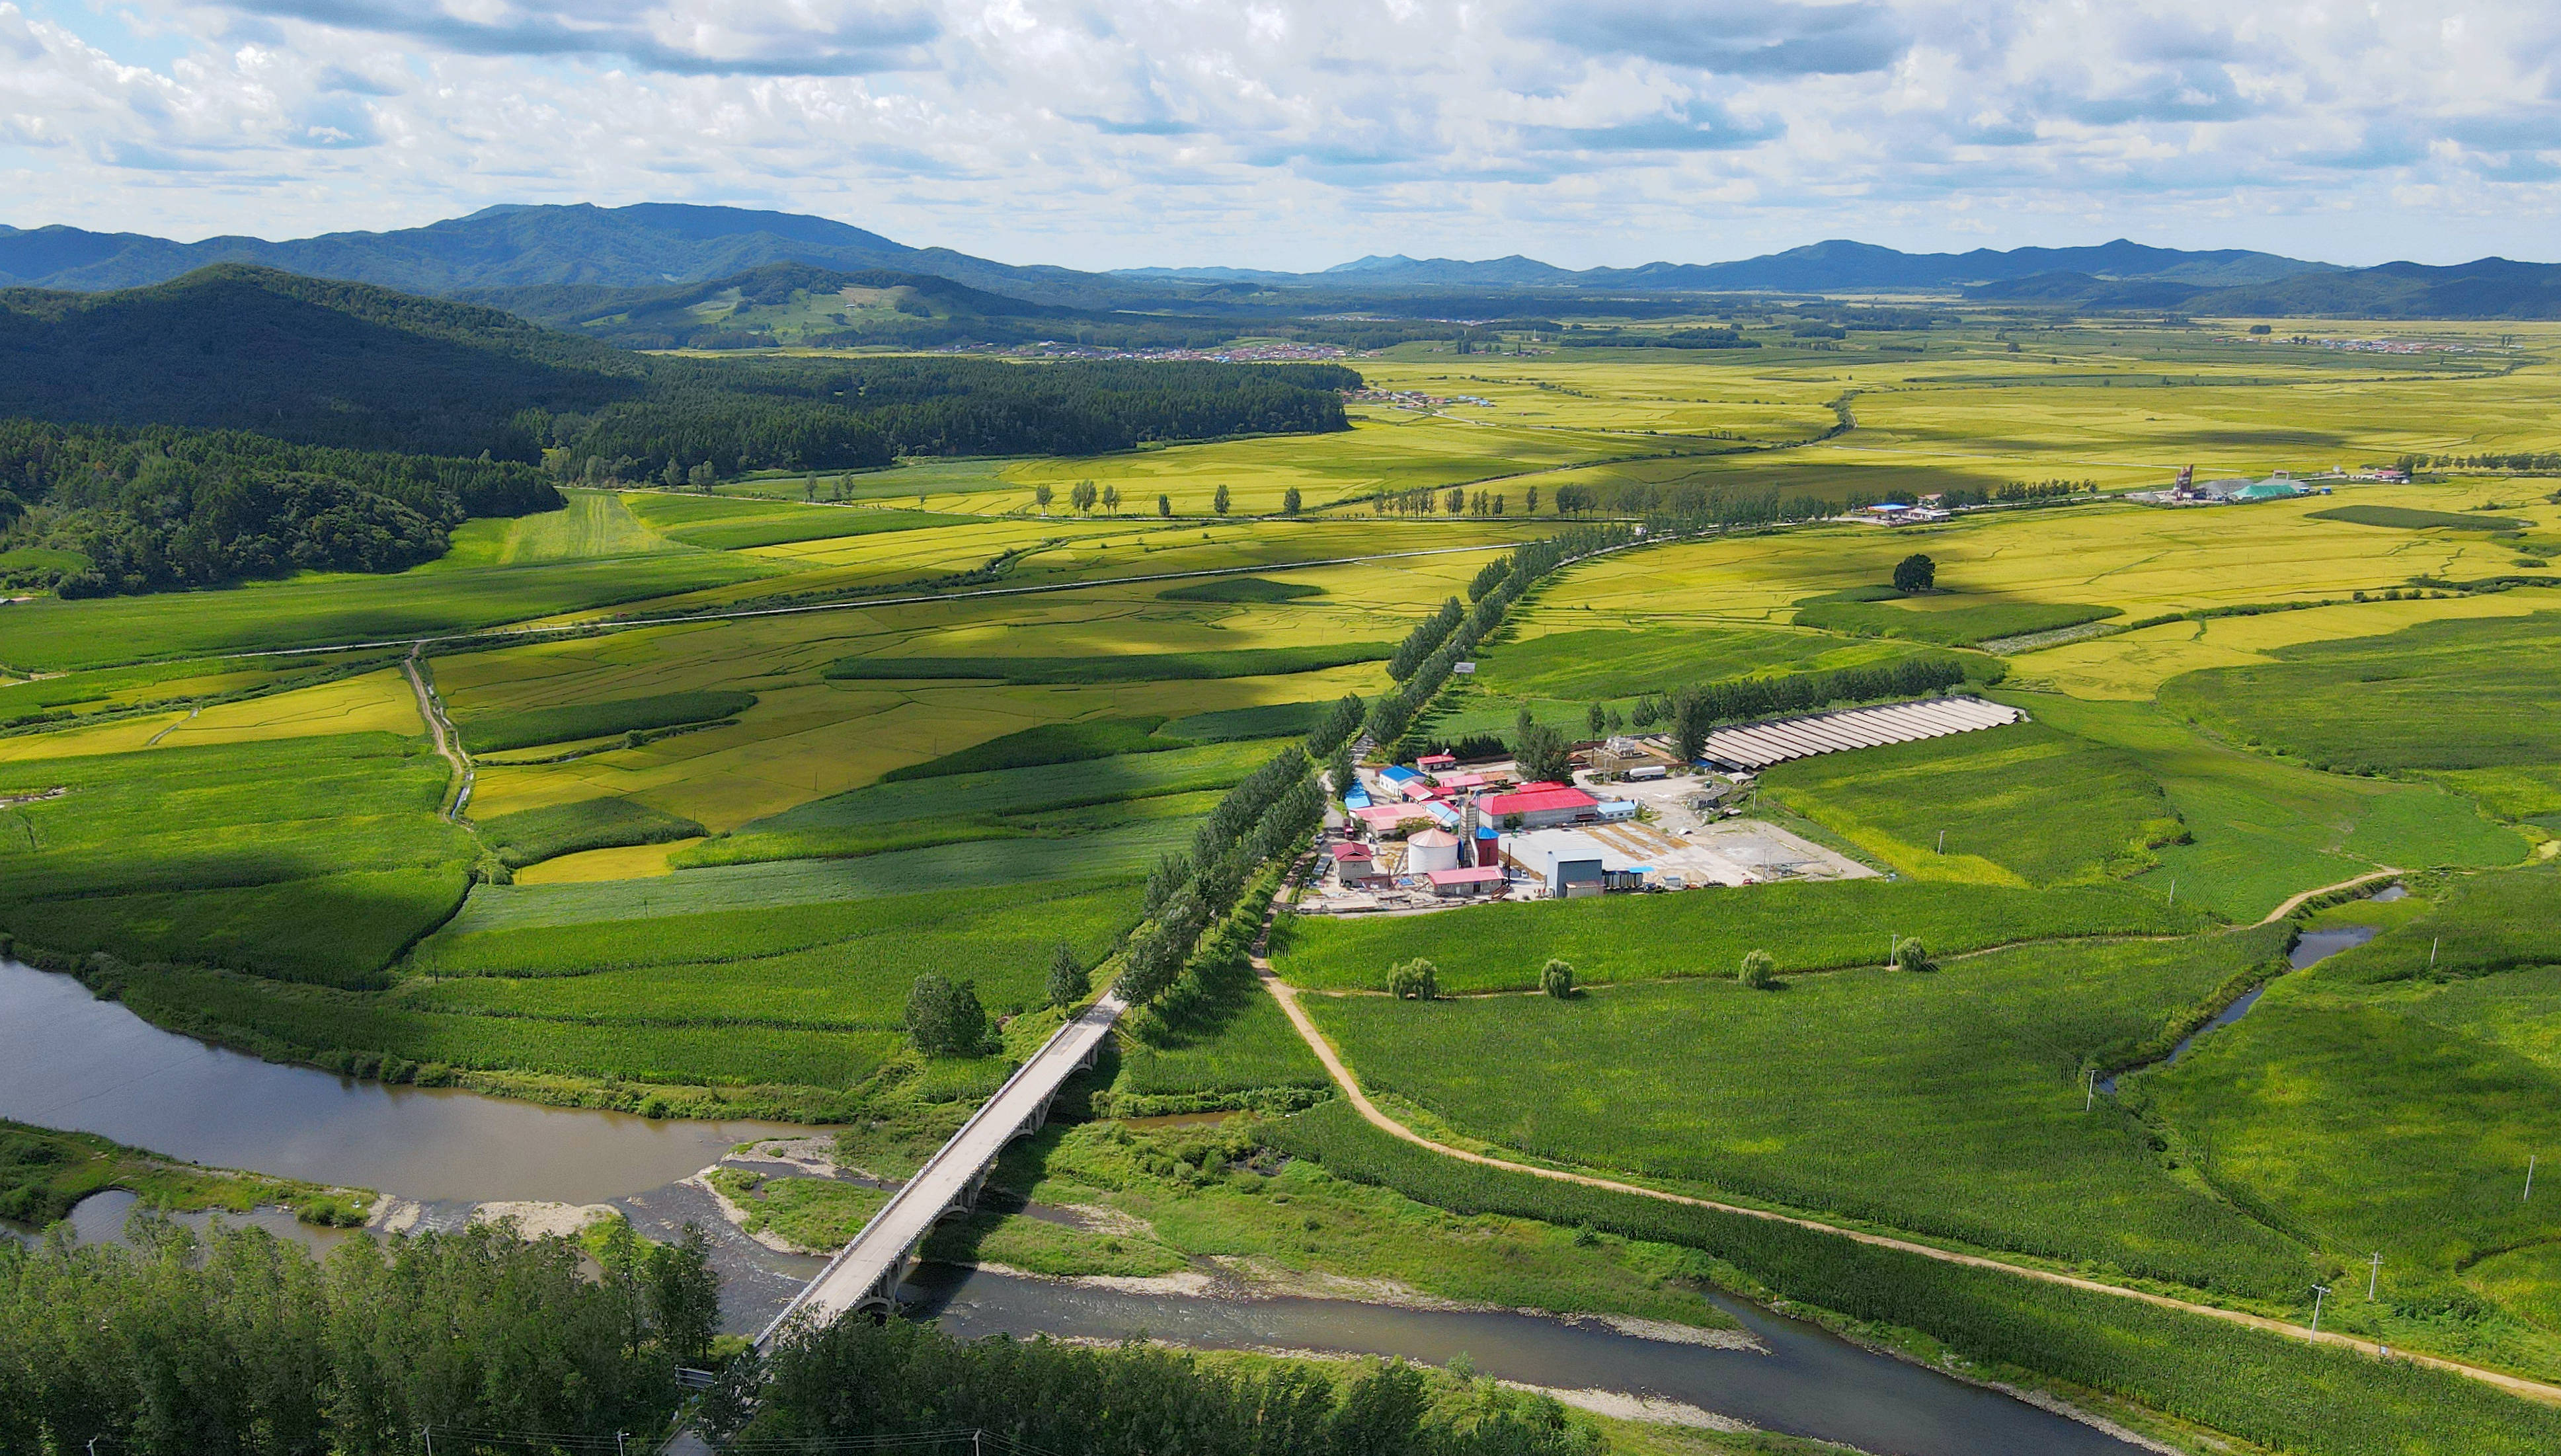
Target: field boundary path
{"type": "Point", "coordinates": [864, 1275]}
{"type": "Point", "coordinates": [449, 739]}
{"type": "Point", "coordinates": [2288, 908]}
{"type": "Point", "coordinates": [1287, 996]}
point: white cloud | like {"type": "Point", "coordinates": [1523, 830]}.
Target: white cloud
{"type": "Point", "coordinates": [1296, 133]}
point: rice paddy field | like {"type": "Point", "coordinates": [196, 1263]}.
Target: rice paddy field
{"type": "Point", "coordinates": [744, 763]}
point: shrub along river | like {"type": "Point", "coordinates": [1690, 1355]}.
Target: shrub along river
{"type": "Point", "coordinates": [70, 1061]}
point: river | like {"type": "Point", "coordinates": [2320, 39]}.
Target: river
{"type": "Point", "coordinates": [68, 1059]}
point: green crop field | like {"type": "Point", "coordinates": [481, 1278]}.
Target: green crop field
{"type": "Point", "coordinates": [2426, 1088]}
{"type": "Point", "coordinates": [1251, 662]}
{"type": "Point", "coordinates": [2470, 704]}
{"type": "Point", "coordinates": [718, 523]}
{"type": "Point", "coordinates": [496, 733]}
{"type": "Point", "coordinates": [2024, 804]}
{"type": "Point", "coordinates": [1947, 1105]}
{"type": "Point", "coordinates": [1707, 932]}
{"type": "Point", "coordinates": [2406, 518]}
{"type": "Point", "coordinates": [1241, 588]}
{"type": "Point", "coordinates": [1948, 620]}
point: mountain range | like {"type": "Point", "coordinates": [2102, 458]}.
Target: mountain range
{"type": "Point", "coordinates": [1817, 267]}
{"type": "Point", "coordinates": [558, 261]}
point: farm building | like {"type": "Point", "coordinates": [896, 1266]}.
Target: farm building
{"type": "Point", "coordinates": [1462, 884]}
{"type": "Point", "coordinates": [1616, 811]}
{"type": "Point", "coordinates": [1435, 763]}
{"type": "Point", "coordinates": [1540, 806]}
{"type": "Point", "coordinates": [1355, 867]}
{"type": "Point", "coordinates": [1568, 865]}
{"type": "Point", "coordinates": [1433, 848]}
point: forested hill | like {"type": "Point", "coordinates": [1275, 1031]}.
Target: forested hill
{"type": "Point", "coordinates": [356, 366]}
{"type": "Point", "coordinates": [302, 359]}
{"type": "Point", "coordinates": [789, 303]}
{"type": "Point", "coordinates": [350, 426]}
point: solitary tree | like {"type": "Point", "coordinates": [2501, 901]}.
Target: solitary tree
{"type": "Point", "coordinates": [675, 473]}
{"type": "Point", "coordinates": [1598, 720]}
{"type": "Point", "coordinates": [1457, 501]}
{"type": "Point", "coordinates": [1067, 982]}
{"type": "Point", "coordinates": [1164, 504]}
{"type": "Point", "coordinates": [1914, 573]}
{"type": "Point", "coordinates": [943, 1017]}
{"type": "Point", "coordinates": [1413, 980]}
{"type": "Point", "coordinates": [1533, 500]}
{"type": "Point", "coordinates": [1219, 499]}
{"type": "Point", "coordinates": [809, 488]}
{"type": "Point", "coordinates": [701, 476]}
{"type": "Point", "coordinates": [1289, 500]}
{"type": "Point", "coordinates": [1757, 970]}
{"type": "Point", "coordinates": [1556, 978]}
{"type": "Point", "coordinates": [1083, 495]}
{"type": "Point", "coordinates": [1112, 499]}
{"type": "Point", "coordinates": [1912, 955]}
{"type": "Point", "coordinates": [1042, 495]}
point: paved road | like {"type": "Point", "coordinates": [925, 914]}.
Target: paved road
{"type": "Point", "coordinates": [864, 1274]}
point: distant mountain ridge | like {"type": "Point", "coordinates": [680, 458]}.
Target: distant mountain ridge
{"type": "Point", "coordinates": [1828, 266]}
{"type": "Point", "coordinates": [2488, 287]}
{"type": "Point", "coordinates": [646, 245]}
{"type": "Point", "coordinates": [558, 263]}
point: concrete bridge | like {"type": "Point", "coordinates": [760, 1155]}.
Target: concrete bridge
{"type": "Point", "coordinates": [863, 1277]}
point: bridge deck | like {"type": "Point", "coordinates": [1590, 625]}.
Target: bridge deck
{"type": "Point", "coordinates": [866, 1271]}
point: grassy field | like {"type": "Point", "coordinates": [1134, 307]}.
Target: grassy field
{"type": "Point", "coordinates": [1948, 620]}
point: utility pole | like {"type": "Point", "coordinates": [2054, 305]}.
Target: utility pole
{"type": "Point", "coordinates": [617, 1442]}
{"type": "Point", "coordinates": [2373, 1271]}
{"type": "Point", "coordinates": [2173, 889]}
{"type": "Point", "coordinates": [428, 1433]}
{"type": "Point", "coordinates": [2529, 1179]}
{"type": "Point", "coordinates": [2090, 1080]}
{"type": "Point", "coordinates": [2432, 950]}
{"type": "Point", "coordinates": [2319, 1293]}
{"type": "Point", "coordinates": [1943, 841]}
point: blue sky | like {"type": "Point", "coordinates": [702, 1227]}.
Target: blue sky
{"type": "Point", "coordinates": [1278, 134]}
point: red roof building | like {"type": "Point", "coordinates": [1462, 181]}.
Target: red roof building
{"type": "Point", "coordinates": [1540, 806]}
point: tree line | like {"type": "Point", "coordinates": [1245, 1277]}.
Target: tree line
{"type": "Point", "coordinates": [857, 1383]}
{"type": "Point", "coordinates": [240, 1344]}
{"type": "Point", "coordinates": [158, 506]}
{"type": "Point", "coordinates": [1392, 712]}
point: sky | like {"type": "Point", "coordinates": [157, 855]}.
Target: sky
{"type": "Point", "coordinates": [1272, 133]}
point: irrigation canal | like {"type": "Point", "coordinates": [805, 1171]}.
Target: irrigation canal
{"type": "Point", "coordinates": [70, 1061]}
